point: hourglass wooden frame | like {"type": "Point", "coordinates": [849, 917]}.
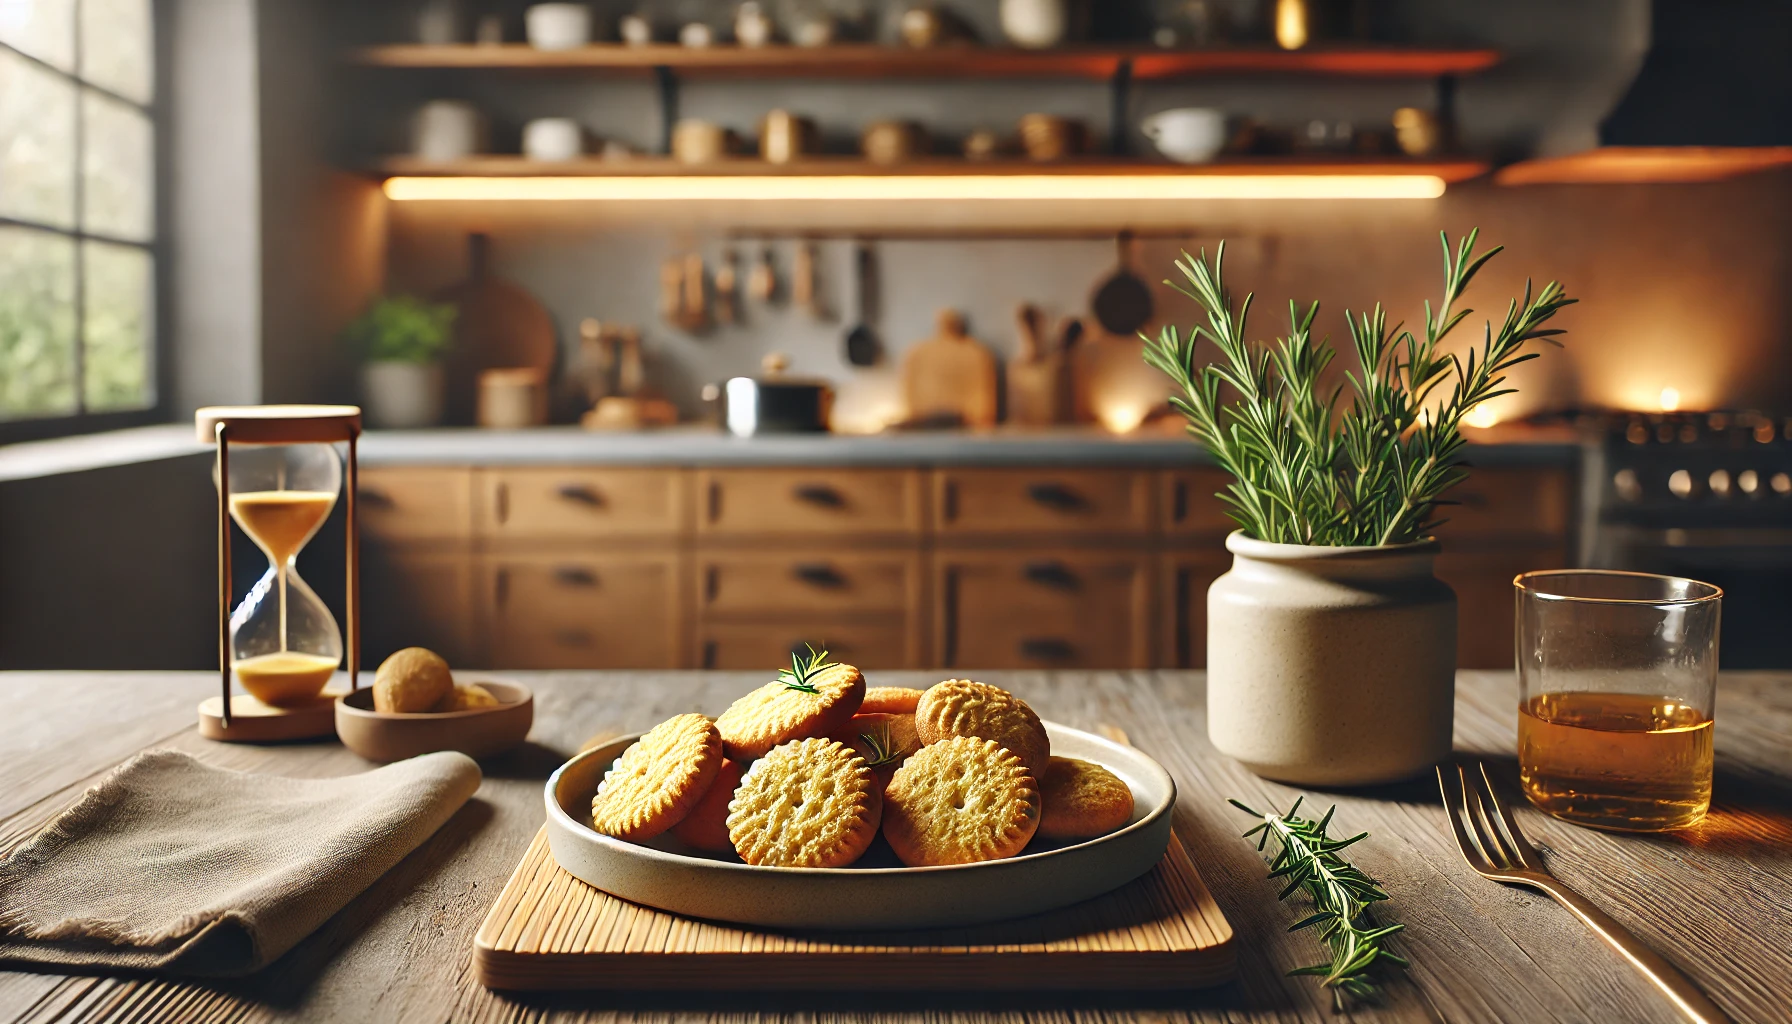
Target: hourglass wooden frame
{"type": "Point", "coordinates": [278, 425]}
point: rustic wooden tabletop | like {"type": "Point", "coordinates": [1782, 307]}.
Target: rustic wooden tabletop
{"type": "Point", "coordinates": [1716, 900]}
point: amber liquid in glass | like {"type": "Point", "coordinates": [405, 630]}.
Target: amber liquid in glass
{"type": "Point", "coordinates": [1626, 761]}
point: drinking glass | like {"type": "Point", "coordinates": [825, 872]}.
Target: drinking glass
{"type": "Point", "coordinates": [1617, 684]}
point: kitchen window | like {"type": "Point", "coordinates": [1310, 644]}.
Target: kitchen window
{"type": "Point", "coordinates": [78, 253]}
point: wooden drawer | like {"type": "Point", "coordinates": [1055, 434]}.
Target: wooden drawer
{"type": "Point", "coordinates": [1484, 598]}
{"type": "Point", "coordinates": [1183, 580]}
{"type": "Point", "coordinates": [584, 611]}
{"type": "Point", "coordinates": [766, 646]}
{"type": "Point", "coordinates": [731, 583]}
{"type": "Point", "coordinates": [820, 501]}
{"type": "Point", "coordinates": [581, 503]}
{"type": "Point", "coordinates": [1044, 609]}
{"type": "Point", "coordinates": [1038, 501]}
{"type": "Point", "coordinates": [399, 504]}
{"type": "Point", "coordinates": [1188, 502]}
{"type": "Point", "coordinates": [413, 598]}
{"type": "Point", "coordinates": [1509, 501]}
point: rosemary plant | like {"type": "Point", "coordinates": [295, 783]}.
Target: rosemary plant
{"type": "Point", "coordinates": [803, 670]}
{"type": "Point", "coordinates": [1306, 471]}
{"type": "Point", "coordinates": [1341, 895]}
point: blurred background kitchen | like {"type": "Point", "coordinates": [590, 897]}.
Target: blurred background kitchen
{"type": "Point", "coordinates": [692, 330]}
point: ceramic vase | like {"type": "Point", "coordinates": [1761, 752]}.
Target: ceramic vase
{"type": "Point", "coordinates": [1035, 24]}
{"type": "Point", "coordinates": [399, 395]}
{"type": "Point", "coordinates": [1331, 666]}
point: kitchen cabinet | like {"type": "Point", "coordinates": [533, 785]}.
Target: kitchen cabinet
{"type": "Point", "coordinates": [891, 567]}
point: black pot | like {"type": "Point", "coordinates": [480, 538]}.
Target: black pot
{"type": "Point", "coordinates": [752, 406]}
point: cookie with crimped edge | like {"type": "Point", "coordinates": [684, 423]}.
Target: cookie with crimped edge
{"type": "Point", "coordinates": [960, 707]}
{"type": "Point", "coordinates": [884, 741]}
{"type": "Point", "coordinates": [813, 697]}
{"type": "Point", "coordinates": [706, 827]}
{"type": "Point", "coordinates": [890, 700]}
{"type": "Point", "coordinates": [658, 779]}
{"type": "Point", "coordinates": [808, 803]}
{"type": "Point", "coordinates": [960, 801]}
{"type": "Point", "coordinates": [1082, 800]}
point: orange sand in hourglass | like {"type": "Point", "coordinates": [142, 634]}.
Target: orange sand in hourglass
{"type": "Point", "coordinates": [280, 522]}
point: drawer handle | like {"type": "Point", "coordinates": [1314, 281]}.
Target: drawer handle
{"type": "Point", "coordinates": [1179, 502]}
{"type": "Point", "coordinates": [819, 494]}
{"type": "Point", "coordinates": [572, 638]}
{"type": "Point", "coordinates": [374, 497]}
{"type": "Point", "coordinates": [1056, 497]}
{"type": "Point", "coordinates": [1469, 499]}
{"type": "Point", "coordinates": [1051, 574]}
{"type": "Point", "coordinates": [818, 574]}
{"type": "Point", "coordinates": [581, 494]}
{"type": "Point", "coordinates": [1045, 649]}
{"type": "Point", "coordinates": [574, 576]}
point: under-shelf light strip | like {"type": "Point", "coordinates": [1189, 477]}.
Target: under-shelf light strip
{"type": "Point", "coordinates": [1055, 187]}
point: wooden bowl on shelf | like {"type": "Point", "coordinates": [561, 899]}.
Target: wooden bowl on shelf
{"type": "Point", "coordinates": [477, 732]}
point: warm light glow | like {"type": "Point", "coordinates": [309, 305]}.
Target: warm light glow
{"type": "Point", "coordinates": [1670, 399]}
{"type": "Point", "coordinates": [928, 187]}
{"type": "Point", "coordinates": [1482, 416]}
{"type": "Point", "coordinates": [1291, 24]}
{"type": "Point", "coordinates": [1121, 417]}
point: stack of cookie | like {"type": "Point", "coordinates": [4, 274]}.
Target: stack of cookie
{"type": "Point", "coordinates": [807, 770]}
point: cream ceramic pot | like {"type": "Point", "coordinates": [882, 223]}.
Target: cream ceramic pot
{"type": "Point", "coordinates": [1331, 666]}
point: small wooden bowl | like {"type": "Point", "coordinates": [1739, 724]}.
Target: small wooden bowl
{"type": "Point", "coordinates": [479, 732]}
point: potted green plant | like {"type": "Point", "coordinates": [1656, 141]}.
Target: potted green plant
{"type": "Point", "coordinates": [1331, 646]}
{"type": "Point", "coordinates": [400, 340]}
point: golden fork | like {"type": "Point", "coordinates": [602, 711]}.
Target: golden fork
{"type": "Point", "coordinates": [1492, 844]}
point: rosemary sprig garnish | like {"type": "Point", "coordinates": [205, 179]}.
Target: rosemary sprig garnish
{"type": "Point", "coordinates": [1341, 895]}
{"type": "Point", "coordinates": [882, 750]}
{"type": "Point", "coordinates": [803, 669]}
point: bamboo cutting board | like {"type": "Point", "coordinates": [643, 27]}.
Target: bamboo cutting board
{"type": "Point", "coordinates": [549, 930]}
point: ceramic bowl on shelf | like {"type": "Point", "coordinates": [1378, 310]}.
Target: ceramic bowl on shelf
{"type": "Point", "coordinates": [1188, 135]}
{"type": "Point", "coordinates": [476, 732]}
{"type": "Point", "coordinates": [1045, 876]}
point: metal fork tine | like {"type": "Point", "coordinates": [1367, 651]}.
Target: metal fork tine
{"type": "Point", "coordinates": [1454, 807]}
{"type": "Point", "coordinates": [1527, 854]}
{"type": "Point", "coordinates": [1482, 818]}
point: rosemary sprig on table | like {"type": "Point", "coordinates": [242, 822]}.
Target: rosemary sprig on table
{"type": "Point", "coordinates": [1341, 895]}
{"type": "Point", "coordinates": [803, 669]}
{"type": "Point", "coordinates": [1305, 469]}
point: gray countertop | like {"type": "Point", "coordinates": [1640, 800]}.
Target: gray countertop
{"type": "Point", "coordinates": [701, 446]}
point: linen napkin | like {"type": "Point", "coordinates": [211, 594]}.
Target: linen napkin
{"type": "Point", "coordinates": [170, 864]}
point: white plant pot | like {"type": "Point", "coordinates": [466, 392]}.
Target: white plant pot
{"type": "Point", "coordinates": [1331, 666]}
{"type": "Point", "coordinates": [401, 395]}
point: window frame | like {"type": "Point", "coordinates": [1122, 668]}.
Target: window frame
{"type": "Point", "coordinates": [161, 378]}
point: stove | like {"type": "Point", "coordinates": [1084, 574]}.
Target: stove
{"type": "Point", "coordinates": [1706, 496]}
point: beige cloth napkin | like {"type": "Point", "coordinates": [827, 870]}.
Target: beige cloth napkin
{"type": "Point", "coordinates": [170, 864]}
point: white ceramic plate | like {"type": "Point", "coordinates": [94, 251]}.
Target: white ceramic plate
{"type": "Point", "coordinates": [666, 875]}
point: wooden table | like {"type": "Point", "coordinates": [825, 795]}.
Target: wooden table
{"type": "Point", "coordinates": [1717, 900]}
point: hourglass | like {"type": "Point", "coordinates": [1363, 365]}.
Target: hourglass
{"type": "Point", "coordinates": [278, 476]}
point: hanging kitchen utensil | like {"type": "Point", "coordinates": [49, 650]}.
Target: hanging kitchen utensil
{"type": "Point", "coordinates": [499, 324]}
{"type": "Point", "coordinates": [1035, 374]}
{"type": "Point", "coordinates": [631, 372]}
{"type": "Point", "coordinates": [950, 378]}
{"type": "Point", "coordinates": [862, 345]}
{"type": "Point", "coordinates": [802, 280]}
{"type": "Point", "coordinates": [672, 291]}
{"type": "Point", "coordinates": [694, 309]}
{"type": "Point", "coordinates": [728, 288]}
{"type": "Point", "coordinates": [762, 280]}
{"type": "Point", "coordinates": [1122, 304]}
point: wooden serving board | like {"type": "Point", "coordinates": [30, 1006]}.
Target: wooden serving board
{"type": "Point", "coordinates": [549, 930]}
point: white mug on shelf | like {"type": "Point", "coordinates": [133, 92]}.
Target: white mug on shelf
{"type": "Point", "coordinates": [447, 130]}
{"type": "Point", "coordinates": [558, 26]}
{"type": "Point", "coordinates": [1189, 135]}
{"type": "Point", "coordinates": [553, 138]}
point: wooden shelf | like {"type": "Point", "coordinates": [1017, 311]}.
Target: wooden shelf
{"type": "Point", "coordinates": [1647, 164]}
{"type": "Point", "coordinates": [498, 166]}
{"type": "Point", "coordinates": [871, 61]}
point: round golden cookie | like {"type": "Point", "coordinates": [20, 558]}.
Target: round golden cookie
{"type": "Point", "coordinates": [889, 700]}
{"type": "Point", "coordinates": [658, 779]}
{"type": "Point", "coordinates": [467, 697]}
{"type": "Point", "coordinates": [414, 679]}
{"type": "Point", "coordinates": [960, 707]}
{"type": "Point", "coordinates": [960, 801]}
{"type": "Point", "coordinates": [706, 827]}
{"type": "Point", "coordinates": [791, 708]}
{"type": "Point", "coordinates": [1082, 800]}
{"type": "Point", "coordinates": [884, 741]}
{"type": "Point", "coordinates": [808, 804]}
